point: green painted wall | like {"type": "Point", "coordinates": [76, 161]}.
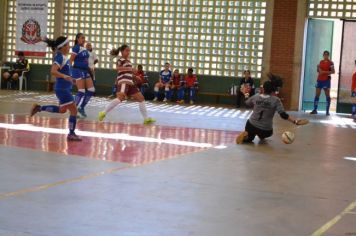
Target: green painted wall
{"type": "Point", "coordinates": [105, 79]}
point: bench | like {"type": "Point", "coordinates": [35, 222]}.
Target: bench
{"type": "Point", "coordinates": [216, 95]}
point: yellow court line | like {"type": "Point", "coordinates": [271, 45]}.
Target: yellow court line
{"type": "Point", "coordinates": [333, 221]}
{"type": "Point", "coordinates": [51, 185]}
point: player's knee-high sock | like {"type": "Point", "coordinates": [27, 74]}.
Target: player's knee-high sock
{"type": "Point", "coordinates": [167, 93]}
{"type": "Point", "coordinates": [181, 94]}
{"type": "Point", "coordinates": [72, 124]}
{"type": "Point", "coordinates": [328, 101]}
{"type": "Point", "coordinates": [143, 109]}
{"type": "Point", "coordinates": [156, 91]}
{"type": "Point", "coordinates": [78, 97]}
{"type": "Point", "coordinates": [50, 108]}
{"type": "Point", "coordinates": [316, 102]}
{"type": "Point", "coordinates": [88, 94]}
{"type": "Point", "coordinates": [354, 109]}
{"type": "Point", "coordinates": [192, 94]}
{"type": "Point", "coordinates": [112, 105]}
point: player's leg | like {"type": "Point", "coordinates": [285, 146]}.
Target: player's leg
{"type": "Point", "coordinates": [263, 134]}
{"type": "Point", "coordinates": [181, 92]}
{"type": "Point", "coordinates": [248, 135]}
{"type": "Point", "coordinates": [80, 83]}
{"type": "Point", "coordinates": [120, 96]}
{"type": "Point", "coordinates": [137, 96]}
{"type": "Point", "coordinates": [328, 100]}
{"type": "Point", "coordinates": [167, 92]}
{"type": "Point", "coordinates": [316, 99]}
{"type": "Point", "coordinates": [353, 97]}
{"type": "Point", "coordinates": [14, 80]}
{"type": "Point", "coordinates": [192, 95]}
{"type": "Point", "coordinates": [156, 89]}
{"type": "Point", "coordinates": [90, 91]}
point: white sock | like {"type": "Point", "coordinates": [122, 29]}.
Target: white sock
{"type": "Point", "coordinates": [143, 109]}
{"type": "Point", "coordinates": [112, 105]}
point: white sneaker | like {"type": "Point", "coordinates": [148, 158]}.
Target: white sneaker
{"type": "Point", "coordinates": [155, 99]}
{"type": "Point", "coordinates": [165, 100]}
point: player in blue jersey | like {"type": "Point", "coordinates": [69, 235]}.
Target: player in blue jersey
{"type": "Point", "coordinates": [81, 73]}
{"type": "Point", "coordinates": [165, 80]}
{"type": "Point", "coordinates": [61, 69]}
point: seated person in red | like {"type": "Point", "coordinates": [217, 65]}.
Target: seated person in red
{"type": "Point", "coordinates": [141, 79]}
{"type": "Point", "coordinates": [190, 85]}
{"type": "Point", "coordinates": [13, 75]}
{"type": "Point", "coordinates": [177, 83]}
{"type": "Point", "coordinates": [246, 88]}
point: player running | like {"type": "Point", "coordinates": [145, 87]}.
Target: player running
{"type": "Point", "coordinates": [61, 69]}
{"type": "Point", "coordinates": [261, 121]}
{"type": "Point", "coordinates": [325, 70]}
{"type": "Point", "coordinates": [81, 73]}
{"type": "Point", "coordinates": [125, 85]}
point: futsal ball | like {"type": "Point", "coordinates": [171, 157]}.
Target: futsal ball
{"type": "Point", "coordinates": [288, 137]}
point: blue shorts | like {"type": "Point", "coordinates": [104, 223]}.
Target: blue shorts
{"type": "Point", "coordinates": [353, 94]}
{"type": "Point", "coordinates": [64, 96]}
{"type": "Point", "coordinates": [324, 84]}
{"type": "Point", "coordinates": [80, 74]}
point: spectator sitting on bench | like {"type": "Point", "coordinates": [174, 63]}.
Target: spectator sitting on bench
{"type": "Point", "coordinates": [177, 82]}
{"type": "Point", "coordinates": [11, 77]}
{"type": "Point", "coordinates": [246, 88]}
{"type": "Point", "coordinates": [190, 86]}
{"type": "Point", "coordinates": [141, 79]}
{"type": "Point", "coordinates": [164, 82]}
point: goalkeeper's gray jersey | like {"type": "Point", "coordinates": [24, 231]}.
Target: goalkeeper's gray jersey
{"type": "Point", "coordinates": [264, 107]}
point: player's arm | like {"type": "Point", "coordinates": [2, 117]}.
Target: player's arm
{"type": "Point", "coordinates": [285, 116]}
{"type": "Point", "coordinates": [250, 101]}
{"type": "Point", "coordinates": [55, 72]}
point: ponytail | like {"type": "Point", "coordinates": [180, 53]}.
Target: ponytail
{"type": "Point", "coordinates": [55, 44]}
{"type": "Point", "coordinates": [115, 52]}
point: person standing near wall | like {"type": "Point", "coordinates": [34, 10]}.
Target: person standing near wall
{"type": "Point", "coordinates": [325, 70]}
{"type": "Point", "coordinates": [93, 60]}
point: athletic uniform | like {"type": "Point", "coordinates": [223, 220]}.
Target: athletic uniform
{"type": "Point", "coordinates": [165, 76]}
{"type": "Point", "coordinates": [323, 81]}
{"type": "Point", "coordinates": [81, 62]}
{"type": "Point", "coordinates": [261, 121]}
{"type": "Point", "coordinates": [190, 83]}
{"type": "Point", "coordinates": [63, 87]}
{"type": "Point", "coordinates": [124, 80]}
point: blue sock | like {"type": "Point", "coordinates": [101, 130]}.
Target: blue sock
{"type": "Point", "coordinates": [88, 95]}
{"type": "Point", "coordinates": [180, 94]}
{"type": "Point", "coordinates": [78, 97]}
{"type": "Point", "coordinates": [50, 108]}
{"type": "Point", "coordinates": [316, 102]}
{"type": "Point", "coordinates": [72, 123]}
{"type": "Point", "coordinates": [168, 94]}
{"type": "Point", "coordinates": [191, 94]}
{"type": "Point", "coordinates": [328, 101]}
{"type": "Point", "coordinates": [354, 109]}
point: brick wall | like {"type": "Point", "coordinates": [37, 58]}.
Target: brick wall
{"type": "Point", "coordinates": [283, 43]}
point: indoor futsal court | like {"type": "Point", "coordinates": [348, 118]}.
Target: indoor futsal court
{"type": "Point", "coordinates": [179, 118]}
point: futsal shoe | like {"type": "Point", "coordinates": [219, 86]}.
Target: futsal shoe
{"type": "Point", "coordinates": [314, 112]}
{"type": "Point", "coordinates": [327, 114]}
{"type": "Point", "coordinates": [155, 99]}
{"type": "Point", "coordinates": [73, 137]}
{"type": "Point", "coordinates": [241, 137]}
{"type": "Point", "coordinates": [148, 121]}
{"type": "Point", "coordinates": [101, 116]}
{"type": "Point", "coordinates": [191, 102]}
{"type": "Point", "coordinates": [35, 108]}
{"type": "Point", "coordinates": [165, 100]}
{"type": "Point", "coordinates": [82, 112]}
{"type": "Point", "coordinates": [180, 101]}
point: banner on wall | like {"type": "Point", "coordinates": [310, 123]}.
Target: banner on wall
{"type": "Point", "coordinates": [31, 26]}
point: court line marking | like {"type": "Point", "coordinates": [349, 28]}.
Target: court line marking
{"type": "Point", "coordinates": [334, 220]}
{"type": "Point", "coordinates": [62, 182]}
